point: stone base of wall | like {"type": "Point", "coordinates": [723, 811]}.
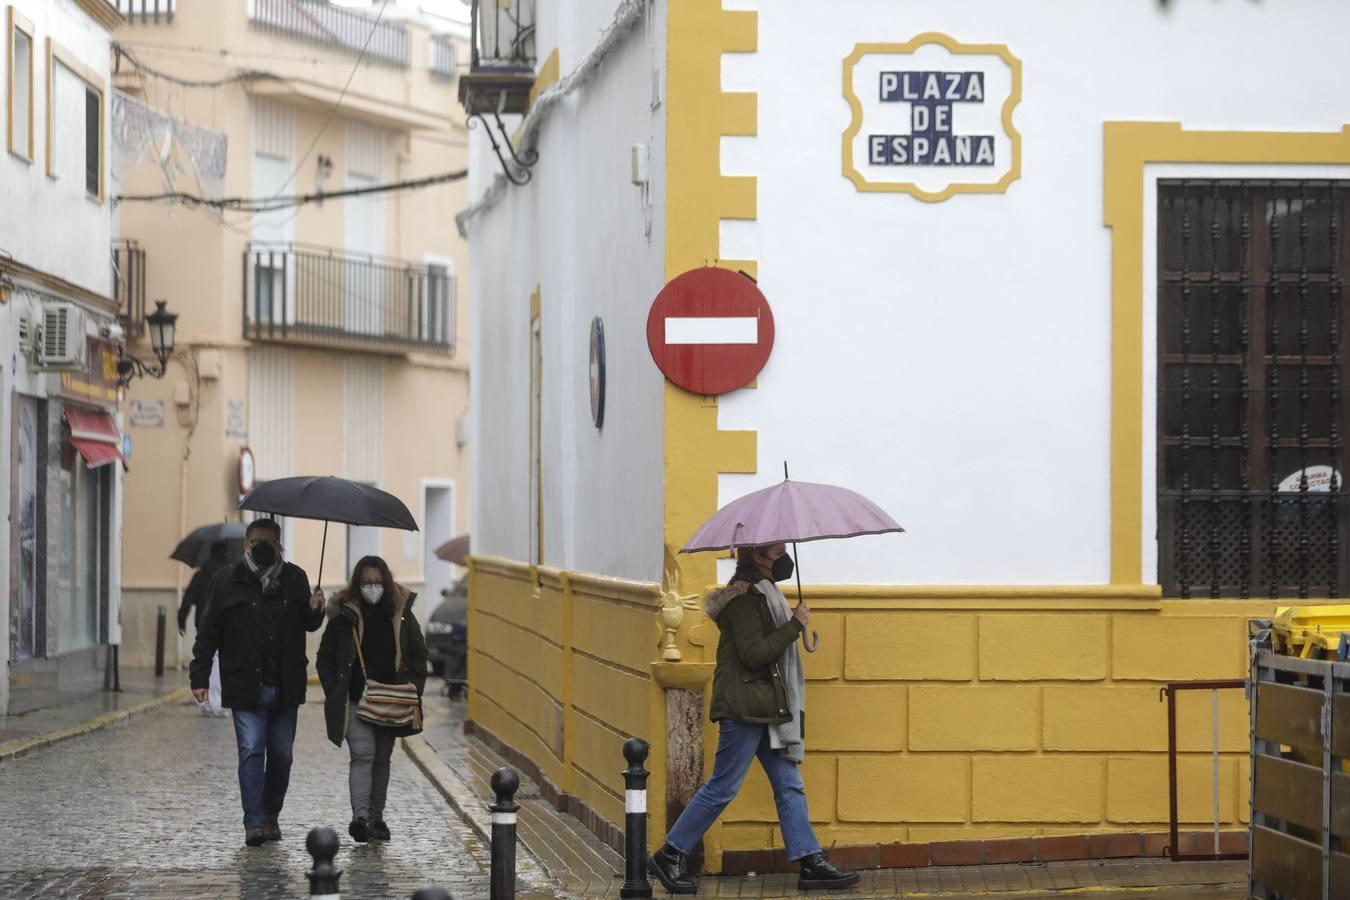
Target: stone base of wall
{"type": "Point", "coordinates": [974, 853]}
{"type": "Point", "coordinates": [608, 832]}
{"type": "Point", "coordinates": [140, 612]}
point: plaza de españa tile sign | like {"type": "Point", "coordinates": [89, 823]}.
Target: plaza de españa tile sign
{"type": "Point", "coordinates": [932, 117]}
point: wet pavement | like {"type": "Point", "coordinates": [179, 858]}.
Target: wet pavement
{"type": "Point", "coordinates": [150, 809]}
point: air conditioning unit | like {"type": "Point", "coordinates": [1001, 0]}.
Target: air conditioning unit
{"type": "Point", "coordinates": [61, 339]}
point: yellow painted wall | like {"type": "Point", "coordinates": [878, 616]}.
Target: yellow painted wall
{"type": "Point", "coordinates": [559, 668]}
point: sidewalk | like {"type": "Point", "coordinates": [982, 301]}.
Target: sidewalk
{"type": "Point", "coordinates": [460, 766]}
{"type": "Point", "coordinates": [58, 715]}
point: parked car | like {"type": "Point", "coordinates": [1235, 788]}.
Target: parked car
{"type": "Point", "coordinates": [446, 628]}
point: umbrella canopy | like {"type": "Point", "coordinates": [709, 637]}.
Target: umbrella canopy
{"type": "Point", "coordinates": [791, 512]}
{"type": "Point", "coordinates": [332, 500]}
{"type": "Point", "coordinates": [455, 550]}
{"type": "Point", "coordinates": [195, 549]}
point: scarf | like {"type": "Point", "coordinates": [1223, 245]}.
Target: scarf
{"type": "Point", "coordinates": [269, 578]}
{"type": "Point", "coordinates": [787, 738]}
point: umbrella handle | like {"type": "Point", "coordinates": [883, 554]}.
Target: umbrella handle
{"type": "Point", "coordinates": [812, 644]}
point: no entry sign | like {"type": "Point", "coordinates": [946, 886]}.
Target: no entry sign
{"type": "Point", "coordinates": [710, 330]}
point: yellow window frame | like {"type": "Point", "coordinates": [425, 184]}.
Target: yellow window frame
{"type": "Point", "coordinates": [58, 54]}
{"type": "Point", "coordinates": [15, 21]}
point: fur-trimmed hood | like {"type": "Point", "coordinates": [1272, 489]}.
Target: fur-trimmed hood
{"type": "Point", "coordinates": [717, 601]}
{"type": "Point", "coordinates": [353, 610]}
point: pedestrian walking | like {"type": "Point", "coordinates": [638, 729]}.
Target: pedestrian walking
{"type": "Point", "coordinates": [372, 664]}
{"type": "Point", "coordinates": [256, 617]}
{"type": "Point", "coordinates": [758, 701]}
{"type": "Point", "coordinates": [194, 603]}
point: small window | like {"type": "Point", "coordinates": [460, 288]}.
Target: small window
{"type": "Point", "coordinates": [93, 164]}
{"type": "Point", "coordinates": [20, 99]}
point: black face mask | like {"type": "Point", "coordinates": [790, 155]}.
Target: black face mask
{"type": "Point", "coordinates": [264, 554]}
{"type": "Point", "coordinates": [783, 567]}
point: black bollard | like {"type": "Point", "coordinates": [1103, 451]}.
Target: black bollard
{"type": "Point", "coordinates": [432, 893]}
{"type": "Point", "coordinates": [159, 644]}
{"type": "Point", "coordinates": [504, 784]}
{"type": "Point", "coordinates": [322, 844]}
{"type": "Point", "coordinates": [635, 883]}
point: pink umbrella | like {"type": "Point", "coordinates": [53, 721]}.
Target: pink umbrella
{"type": "Point", "coordinates": [791, 512]}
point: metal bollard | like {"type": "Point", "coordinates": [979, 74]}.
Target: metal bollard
{"type": "Point", "coordinates": [504, 784]}
{"type": "Point", "coordinates": [322, 844]}
{"type": "Point", "coordinates": [635, 883]}
{"type": "Point", "coordinates": [432, 893]}
{"type": "Point", "coordinates": [160, 624]}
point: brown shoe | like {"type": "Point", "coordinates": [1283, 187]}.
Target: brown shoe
{"type": "Point", "coordinates": [272, 831]}
{"type": "Point", "coordinates": [255, 836]}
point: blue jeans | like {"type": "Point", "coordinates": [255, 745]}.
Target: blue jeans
{"type": "Point", "coordinates": [738, 744]}
{"type": "Point", "coordinates": [264, 736]}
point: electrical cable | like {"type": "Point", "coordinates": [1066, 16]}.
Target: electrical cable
{"type": "Point", "coordinates": [278, 202]}
{"type": "Point", "coordinates": [245, 75]}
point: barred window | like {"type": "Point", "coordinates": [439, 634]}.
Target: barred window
{"type": "Point", "coordinates": [1251, 313]}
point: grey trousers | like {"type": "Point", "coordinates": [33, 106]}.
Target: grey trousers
{"type": "Point", "coordinates": [371, 749]}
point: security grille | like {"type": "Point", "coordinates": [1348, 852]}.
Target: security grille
{"type": "Point", "coordinates": [1251, 498]}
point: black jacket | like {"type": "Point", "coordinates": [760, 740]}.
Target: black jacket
{"type": "Point", "coordinates": [194, 596]}
{"type": "Point", "coordinates": [230, 625]}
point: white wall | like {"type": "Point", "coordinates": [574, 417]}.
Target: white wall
{"type": "Point", "coordinates": [951, 360]}
{"type": "Point", "coordinates": [577, 230]}
{"type": "Point", "coordinates": [52, 224]}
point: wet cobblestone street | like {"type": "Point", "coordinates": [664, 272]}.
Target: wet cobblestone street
{"type": "Point", "coordinates": [151, 810]}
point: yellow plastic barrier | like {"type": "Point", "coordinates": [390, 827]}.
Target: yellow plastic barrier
{"type": "Point", "coordinates": [1310, 632]}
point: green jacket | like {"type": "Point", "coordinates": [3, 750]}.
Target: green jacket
{"type": "Point", "coordinates": [747, 684]}
{"type": "Point", "coordinates": [337, 654]}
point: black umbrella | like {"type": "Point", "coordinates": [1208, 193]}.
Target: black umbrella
{"type": "Point", "coordinates": [332, 500]}
{"type": "Point", "coordinates": [195, 549]}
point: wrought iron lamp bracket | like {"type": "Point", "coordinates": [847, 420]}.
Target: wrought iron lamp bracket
{"type": "Point", "coordinates": [517, 171]}
{"type": "Point", "coordinates": [130, 367]}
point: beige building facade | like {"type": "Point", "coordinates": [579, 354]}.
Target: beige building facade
{"type": "Point", "coordinates": [324, 338]}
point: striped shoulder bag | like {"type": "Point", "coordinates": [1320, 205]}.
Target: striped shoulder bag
{"type": "Point", "coordinates": [387, 705]}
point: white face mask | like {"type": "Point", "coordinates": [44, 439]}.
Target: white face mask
{"type": "Point", "coordinates": [372, 592]}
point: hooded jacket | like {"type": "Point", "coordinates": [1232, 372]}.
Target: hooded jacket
{"type": "Point", "coordinates": [747, 683]}
{"type": "Point", "coordinates": [337, 653]}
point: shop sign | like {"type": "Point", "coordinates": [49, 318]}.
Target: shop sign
{"type": "Point", "coordinates": [97, 383]}
{"type": "Point", "coordinates": [932, 117]}
{"type": "Point", "coordinates": [147, 413]}
{"type": "Point", "coordinates": [1319, 480]}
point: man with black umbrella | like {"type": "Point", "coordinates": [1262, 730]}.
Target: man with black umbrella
{"type": "Point", "coordinates": [256, 617]}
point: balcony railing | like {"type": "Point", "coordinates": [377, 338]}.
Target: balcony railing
{"type": "Point", "coordinates": [443, 56]}
{"type": "Point", "coordinates": [128, 269]}
{"type": "Point", "coordinates": [333, 26]}
{"type": "Point", "coordinates": [147, 12]}
{"type": "Point", "coordinates": [315, 295]}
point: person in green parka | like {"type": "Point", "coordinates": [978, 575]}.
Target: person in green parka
{"type": "Point", "coordinates": [373, 609]}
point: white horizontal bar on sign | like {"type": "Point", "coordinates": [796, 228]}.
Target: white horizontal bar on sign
{"type": "Point", "coordinates": [713, 330]}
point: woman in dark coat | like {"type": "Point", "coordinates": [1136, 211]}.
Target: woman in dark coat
{"type": "Point", "coordinates": [758, 703]}
{"type": "Point", "coordinates": [374, 610]}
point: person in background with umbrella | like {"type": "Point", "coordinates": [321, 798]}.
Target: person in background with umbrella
{"type": "Point", "coordinates": [758, 701]}
{"type": "Point", "coordinates": [256, 617]}
{"type": "Point", "coordinates": [194, 601]}
{"type": "Point", "coordinates": [371, 632]}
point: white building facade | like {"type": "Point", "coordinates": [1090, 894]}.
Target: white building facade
{"type": "Point", "coordinates": [58, 390]}
{"type": "Point", "coordinates": [1061, 288]}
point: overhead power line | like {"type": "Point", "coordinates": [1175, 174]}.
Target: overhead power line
{"type": "Point", "coordinates": [245, 75]}
{"type": "Point", "coordinates": [272, 204]}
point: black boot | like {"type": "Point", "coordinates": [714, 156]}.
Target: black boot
{"type": "Point", "coordinates": [359, 830]}
{"type": "Point", "coordinates": [819, 874]}
{"type": "Point", "coordinates": [668, 865]}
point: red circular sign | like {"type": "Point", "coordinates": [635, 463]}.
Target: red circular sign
{"type": "Point", "coordinates": [710, 330]}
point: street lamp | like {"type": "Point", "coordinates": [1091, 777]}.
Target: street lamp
{"type": "Point", "coordinates": [162, 327]}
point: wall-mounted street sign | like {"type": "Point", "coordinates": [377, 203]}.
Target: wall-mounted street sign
{"type": "Point", "coordinates": [932, 117]}
{"type": "Point", "coordinates": [597, 369]}
{"type": "Point", "coordinates": [710, 330]}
